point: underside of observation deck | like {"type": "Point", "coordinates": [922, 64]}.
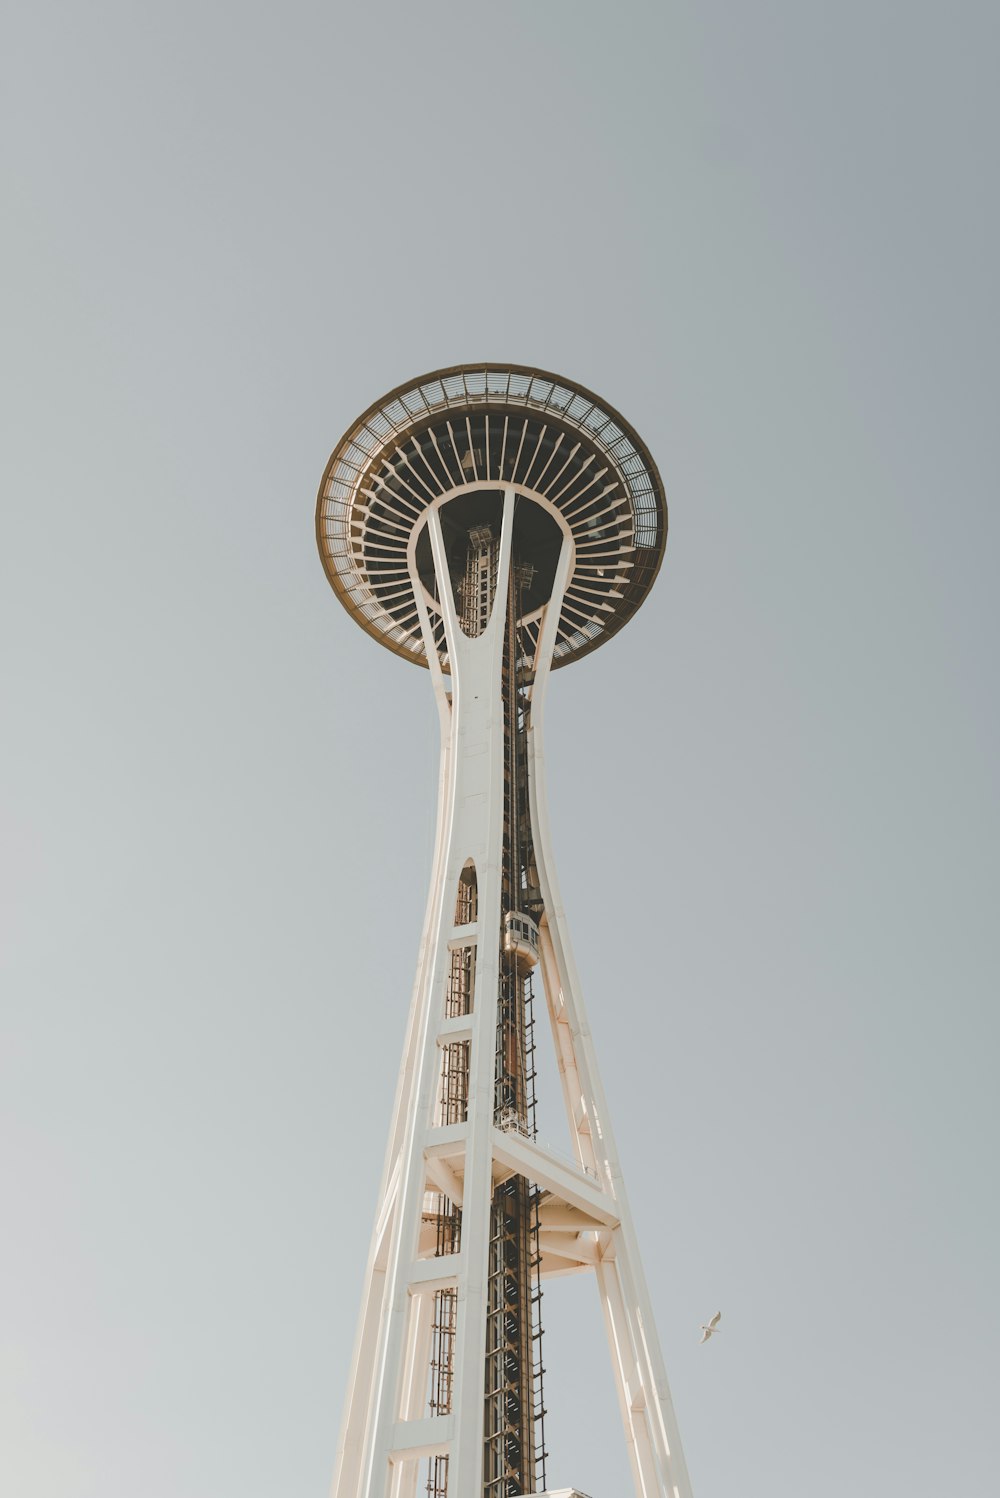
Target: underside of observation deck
{"type": "Point", "coordinates": [480, 428]}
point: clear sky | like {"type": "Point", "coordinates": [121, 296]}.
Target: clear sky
{"type": "Point", "coordinates": [768, 233]}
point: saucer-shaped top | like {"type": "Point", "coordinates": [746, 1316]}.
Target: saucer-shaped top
{"type": "Point", "coordinates": [481, 429]}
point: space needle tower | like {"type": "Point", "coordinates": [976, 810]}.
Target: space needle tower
{"type": "Point", "coordinates": [492, 524]}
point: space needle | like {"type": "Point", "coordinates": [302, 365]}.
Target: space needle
{"type": "Point", "coordinates": [493, 523]}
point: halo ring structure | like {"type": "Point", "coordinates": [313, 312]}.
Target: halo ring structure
{"type": "Point", "coordinates": [491, 427]}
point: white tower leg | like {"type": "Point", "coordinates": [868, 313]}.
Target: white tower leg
{"type": "Point", "coordinates": [651, 1432]}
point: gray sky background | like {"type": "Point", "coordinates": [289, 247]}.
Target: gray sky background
{"type": "Point", "coordinates": [768, 233]}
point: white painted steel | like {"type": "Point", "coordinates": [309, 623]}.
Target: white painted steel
{"type": "Point", "coordinates": [585, 1223]}
{"type": "Point", "coordinates": [658, 1466]}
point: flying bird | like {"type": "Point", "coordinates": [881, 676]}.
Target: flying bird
{"type": "Point", "coordinates": [713, 1326]}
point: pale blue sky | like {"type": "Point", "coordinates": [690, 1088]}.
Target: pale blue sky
{"type": "Point", "coordinates": [768, 233]}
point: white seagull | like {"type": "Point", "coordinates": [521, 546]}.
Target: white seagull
{"type": "Point", "coordinates": [713, 1326]}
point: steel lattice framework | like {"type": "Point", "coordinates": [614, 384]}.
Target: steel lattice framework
{"type": "Point", "coordinates": [492, 523]}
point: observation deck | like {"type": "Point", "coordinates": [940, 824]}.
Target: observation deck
{"type": "Point", "coordinates": [471, 432]}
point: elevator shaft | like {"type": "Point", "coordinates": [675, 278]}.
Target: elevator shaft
{"type": "Point", "coordinates": [513, 1451]}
